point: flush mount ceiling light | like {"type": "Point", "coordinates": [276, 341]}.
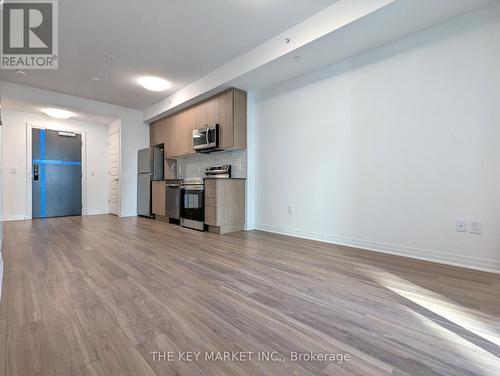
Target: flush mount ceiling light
{"type": "Point", "coordinates": [58, 113]}
{"type": "Point", "coordinates": [154, 83]}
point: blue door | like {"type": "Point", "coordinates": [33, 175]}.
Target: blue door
{"type": "Point", "coordinates": [57, 173]}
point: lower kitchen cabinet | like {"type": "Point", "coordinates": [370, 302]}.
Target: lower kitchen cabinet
{"type": "Point", "coordinates": [225, 205]}
{"type": "Point", "coordinates": [158, 198]}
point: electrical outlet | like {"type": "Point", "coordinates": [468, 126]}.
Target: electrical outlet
{"type": "Point", "coordinates": [461, 225]}
{"type": "Point", "coordinates": [13, 170]}
{"type": "Point", "coordinates": [291, 209]}
{"type": "Point", "coordinates": [475, 227]}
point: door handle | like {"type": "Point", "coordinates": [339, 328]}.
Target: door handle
{"type": "Point", "coordinates": [35, 172]}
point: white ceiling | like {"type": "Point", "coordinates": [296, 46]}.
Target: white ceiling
{"type": "Point", "coordinates": [13, 104]}
{"type": "Point", "coordinates": [393, 22]}
{"type": "Point", "coordinates": [180, 40]}
{"type": "Point", "coordinates": [270, 63]}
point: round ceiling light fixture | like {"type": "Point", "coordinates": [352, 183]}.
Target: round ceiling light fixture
{"type": "Point", "coordinates": [58, 113]}
{"type": "Point", "coordinates": [154, 83]}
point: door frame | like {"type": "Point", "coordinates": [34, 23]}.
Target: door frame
{"type": "Point", "coordinates": [110, 133]}
{"type": "Point", "coordinates": [29, 165]}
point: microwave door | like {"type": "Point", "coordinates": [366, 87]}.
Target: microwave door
{"type": "Point", "coordinates": [211, 137]}
{"type": "Point", "coordinates": [197, 139]}
{"type": "Point", "coordinates": [200, 139]}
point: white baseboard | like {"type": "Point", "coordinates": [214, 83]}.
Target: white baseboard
{"type": "Point", "coordinates": [249, 226]}
{"type": "Point", "coordinates": [475, 263]}
{"type": "Point", "coordinates": [97, 212]}
{"type": "Point", "coordinates": [127, 215]}
{"type": "Point", "coordinates": [9, 218]}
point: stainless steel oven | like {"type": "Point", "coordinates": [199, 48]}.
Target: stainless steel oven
{"type": "Point", "coordinates": [206, 138]}
{"type": "Point", "coordinates": [193, 204]}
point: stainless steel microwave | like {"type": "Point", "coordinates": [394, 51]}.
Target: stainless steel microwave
{"type": "Point", "coordinates": [206, 138]}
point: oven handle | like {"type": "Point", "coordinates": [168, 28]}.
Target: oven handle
{"type": "Point", "coordinates": [192, 188]}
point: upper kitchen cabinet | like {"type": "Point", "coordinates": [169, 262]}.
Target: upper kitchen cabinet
{"type": "Point", "coordinates": [232, 119]}
{"type": "Point", "coordinates": [228, 109]}
{"type": "Point", "coordinates": [157, 132]}
{"type": "Point", "coordinates": [172, 137]}
{"type": "Point", "coordinates": [212, 109]}
{"type": "Point", "coordinates": [197, 116]}
{"type": "Point", "coordinates": [184, 128]}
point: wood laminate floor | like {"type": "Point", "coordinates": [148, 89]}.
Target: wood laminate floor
{"type": "Point", "coordinates": [97, 295]}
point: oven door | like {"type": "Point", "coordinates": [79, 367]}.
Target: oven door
{"type": "Point", "coordinates": [192, 203]}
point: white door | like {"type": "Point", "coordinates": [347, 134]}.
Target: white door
{"type": "Point", "coordinates": [114, 173]}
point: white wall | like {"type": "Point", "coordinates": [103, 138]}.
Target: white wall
{"type": "Point", "coordinates": [250, 182]}
{"type": "Point", "coordinates": [1, 191]}
{"type": "Point", "coordinates": [15, 157]}
{"type": "Point", "coordinates": [386, 150]}
{"type": "Point", "coordinates": [134, 132]}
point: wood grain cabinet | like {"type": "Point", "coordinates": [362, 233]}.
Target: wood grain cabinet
{"type": "Point", "coordinates": [185, 141]}
{"type": "Point", "coordinates": [172, 138]}
{"type": "Point", "coordinates": [228, 109]}
{"type": "Point", "coordinates": [158, 198]}
{"type": "Point", "coordinates": [157, 132]}
{"type": "Point", "coordinates": [225, 205]}
{"type": "Point", "coordinates": [212, 109]}
{"type": "Point", "coordinates": [232, 119]}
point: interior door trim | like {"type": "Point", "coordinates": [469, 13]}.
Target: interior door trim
{"type": "Point", "coordinates": [112, 132]}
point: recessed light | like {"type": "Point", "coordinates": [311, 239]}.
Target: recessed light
{"type": "Point", "coordinates": [21, 73]}
{"type": "Point", "coordinates": [154, 83]}
{"type": "Point", "coordinates": [95, 78]}
{"type": "Point", "coordinates": [58, 113]}
{"type": "Point", "coordinates": [111, 57]}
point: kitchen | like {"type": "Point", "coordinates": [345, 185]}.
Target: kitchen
{"type": "Point", "coordinates": [195, 169]}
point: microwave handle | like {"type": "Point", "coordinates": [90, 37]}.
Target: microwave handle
{"type": "Point", "coordinates": [207, 132]}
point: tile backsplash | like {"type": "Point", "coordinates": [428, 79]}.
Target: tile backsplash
{"type": "Point", "coordinates": [193, 166]}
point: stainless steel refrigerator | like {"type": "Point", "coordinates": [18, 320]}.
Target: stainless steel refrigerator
{"type": "Point", "coordinates": [150, 168]}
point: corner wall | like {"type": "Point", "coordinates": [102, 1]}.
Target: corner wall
{"type": "Point", "coordinates": [15, 164]}
{"type": "Point", "coordinates": [134, 132]}
{"type": "Point", "coordinates": [386, 150]}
